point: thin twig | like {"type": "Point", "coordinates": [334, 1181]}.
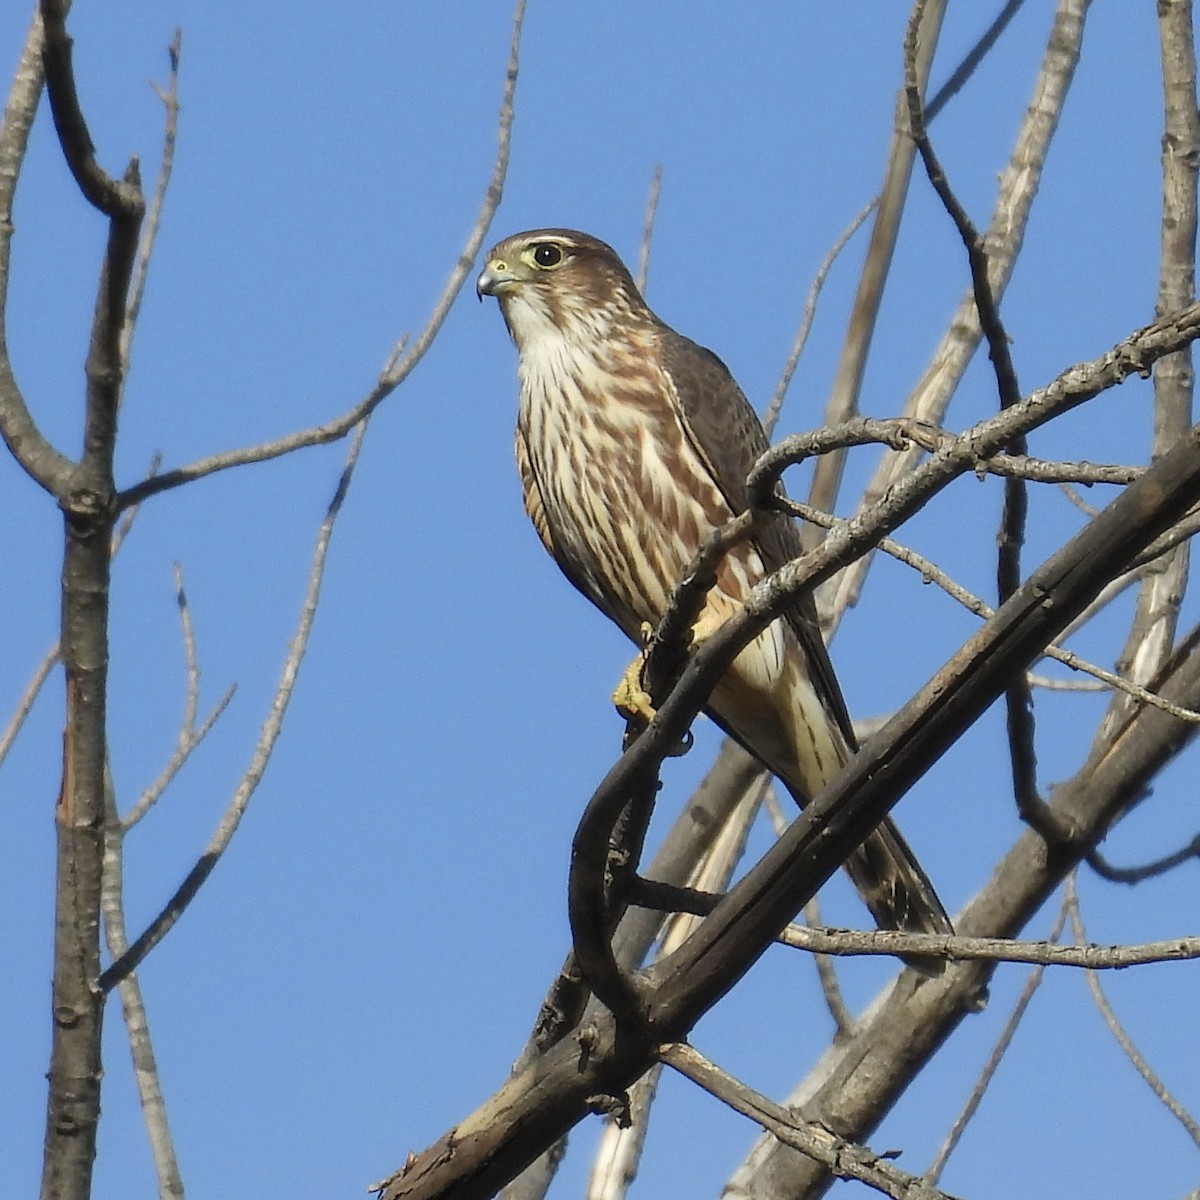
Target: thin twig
{"type": "Point", "coordinates": [931, 573]}
{"type": "Point", "coordinates": [902, 433]}
{"type": "Point", "coordinates": [771, 416]}
{"type": "Point", "coordinates": [843, 1159]}
{"type": "Point", "coordinates": [141, 267]}
{"type": "Point", "coordinates": [1118, 1031]}
{"type": "Point", "coordinates": [190, 735]}
{"type": "Point", "coordinates": [1048, 684]}
{"type": "Point", "coordinates": [1150, 870]}
{"type": "Point", "coordinates": [862, 943]}
{"type": "Point", "coordinates": [643, 273]}
{"type": "Point", "coordinates": [972, 59]}
{"type": "Point", "coordinates": [1034, 980]}
{"type": "Point", "coordinates": [399, 364]}
{"type": "Point", "coordinates": [831, 988]}
{"type": "Point", "coordinates": [1072, 494]}
{"type": "Point", "coordinates": [25, 704]}
{"type": "Point", "coordinates": [227, 827]}
{"type": "Point", "coordinates": [1018, 186]}
{"type": "Point", "coordinates": [133, 1009]}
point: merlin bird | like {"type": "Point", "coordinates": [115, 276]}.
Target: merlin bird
{"type": "Point", "coordinates": [633, 444]}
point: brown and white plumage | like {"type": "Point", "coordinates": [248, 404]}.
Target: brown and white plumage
{"type": "Point", "coordinates": [633, 443]}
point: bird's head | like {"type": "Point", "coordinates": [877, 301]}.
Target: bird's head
{"type": "Point", "coordinates": [553, 279]}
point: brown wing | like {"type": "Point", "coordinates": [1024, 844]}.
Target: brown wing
{"type": "Point", "coordinates": [727, 434]}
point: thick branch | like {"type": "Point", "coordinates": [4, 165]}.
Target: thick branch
{"type": "Point", "coordinates": [113, 198]}
{"type": "Point", "coordinates": [88, 504]}
{"type": "Point", "coordinates": [539, 1104]}
{"type": "Point", "coordinates": [858, 1080]}
{"type": "Point", "coordinates": [1018, 186]}
{"type": "Point", "coordinates": [25, 442]}
{"type": "Point", "coordinates": [1152, 631]}
{"type": "Point", "coordinates": [847, 384]}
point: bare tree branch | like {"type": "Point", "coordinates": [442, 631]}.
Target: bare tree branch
{"type": "Point", "coordinates": [771, 415]}
{"type": "Point", "coordinates": [1131, 1052]}
{"type": "Point", "coordinates": [227, 827]}
{"type": "Point", "coordinates": [141, 267]}
{"type": "Point", "coordinates": [44, 464]}
{"type": "Point", "coordinates": [112, 197]}
{"type": "Point", "coordinates": [401, 362]}
{"type": "Point", "coordinates": [852, 943]}
{"type": "Point", "coordinates": [643, 273]}
{"type": "Point", "coordinates": [858, 1080]}
{"type": "Point", "coordinates": [972, 59]}
{"type": "Point", "coordinates": [1156, 616]}
{"type": "Point", "coordinates": [931, 573]}
{"type": "Point", "coordinates": [971, 1107]}
{"type": "Point", "coordinates": [831, 988]}
{"type": "Point", "coordinates": [133, 1008]}
{"type": "Point", "coordinates": [42, 671]}
{"type": "Point", "coordinates": [843, 397]}
{"type": "Point", "coordinates": [28, 696]}
{"type": "Point", "coordinates": [619, 1153]}
{"type": "Point", "coordinates": [842, 1158]}
{"type": "Point", "coordinates": [190, 735]}
{"type": "Point", "coordinates": [87, 501]}
{"type": "Point", "coordinates": [1018, 186]}
{"type": "Point", "coordinates": [1150, 870]}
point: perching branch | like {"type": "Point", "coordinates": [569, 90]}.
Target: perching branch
{"type": "Point", "coordinates": [636, 776]}
{"type": "Point", "coordinates": [540, 1103]}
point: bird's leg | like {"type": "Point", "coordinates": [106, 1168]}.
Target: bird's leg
{"type": "Point", "coordinates": [631, 698]}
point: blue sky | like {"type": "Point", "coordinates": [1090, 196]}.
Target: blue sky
{"type": "Point", "coordinates": [366, 961]}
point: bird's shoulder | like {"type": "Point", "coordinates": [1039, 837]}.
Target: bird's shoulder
{"type": "Point", "coordinates": [718, 418]}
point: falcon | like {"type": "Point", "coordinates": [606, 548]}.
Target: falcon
{"type": "Point", "coordinates": [633, 444]}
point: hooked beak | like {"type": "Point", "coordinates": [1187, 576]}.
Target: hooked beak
{"type": "Point", "coordinates": [494, 279]}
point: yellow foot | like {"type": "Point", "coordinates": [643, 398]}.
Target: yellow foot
{"type": "Point", "coordinates": [633, 701]}
{"type": "Point", "coordinates": [630, 697]}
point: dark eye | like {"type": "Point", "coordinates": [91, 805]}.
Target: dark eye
{"type": "Point", "coordinates": [547, 254]}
